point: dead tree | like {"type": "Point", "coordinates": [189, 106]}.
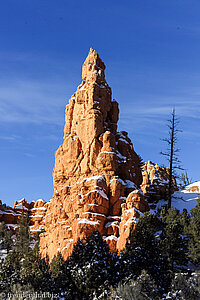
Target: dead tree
{"type": "Point", "coordinates": [172, 153]}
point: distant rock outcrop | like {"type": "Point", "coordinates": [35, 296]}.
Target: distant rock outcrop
{"type": "Point", "coordinates": [155, 182]}
{"type": "Point", "coordinates": [193, 187]}
{"type": "Point", "coordinates": [96, 168]}
{"type": "Point", "coordinates": [36, 212]}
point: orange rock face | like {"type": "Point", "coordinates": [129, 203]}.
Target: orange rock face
{"type": "Point", "coordinates": [155, 182]}
{"type": "Point", "coordinates": [95, 169]}
{"type": "Point", "coordinates": [131, 211]}
{"type": "Point", "coordinates": [97, 175]}
{"type": "Point", "coordinates": [36, 212]}
{"type": "Point", "coordinates": [193, 188]}
{"type": "Point", "coordinates": [105, 202]}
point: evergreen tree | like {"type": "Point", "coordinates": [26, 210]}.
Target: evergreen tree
{"type": "Point", "coordinates": [174, 243]}
{"type": "Point", "coordinates": [90, 266]}
{"type": "Point", "coordinates": [185, 287]}
{"type": "Point", "coordinates": [185, 219]}
{"type": "Point", "coordinates": [10, 268]}
{"type": "Point", "coordinates": [139, 289]}
{"type": "Point", "coordinates": [194, 230]}
{"type": "Point", "coordinates": [35, 271]}
{"type": "Point", "coordinates": [118, 265]}
{"type": "Point", "coordinates": [61, 277]}
{"type": "Point", "coordinates": [141, 163]}
{"type": "Point", "coordinates": [143, 252]}
{"type": "Point", "coordinates": [26, 290]}
{"type": "Point", "coordinates": [23, 267]}
{"type": "Point", "coordinates": [22, 238]}
{"type": "Point", "coordinates": [6, 241]}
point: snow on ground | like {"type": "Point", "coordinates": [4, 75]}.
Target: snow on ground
{"type": "Point", "coordinates": [194, 187]}
{"type": "Point", "coordinates": [3, 254]}
{"type": "Point", "coordinates": [184, 198]}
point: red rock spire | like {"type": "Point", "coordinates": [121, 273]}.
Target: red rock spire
{"type": "Point", "coordinates": [95, 167]}
{"type": "Point", "coordinates": [93, 68]}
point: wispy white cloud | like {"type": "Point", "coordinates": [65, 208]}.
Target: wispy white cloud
{"type": "Point", "coordinates": [49, 137]}
{"type": "Point", "coordinates": [189, 107]}
{"type": "Point", "coordinates": [29, 155]}
{"type": "Point", "coordinates": [192, 134]}
{"type": "Point", "coordinates": [33, 89]}
{"type": "Point", "coordinates": [34, 59]}
{"type": "Point", "coordinates": [40, 101]}
{"type": "Point", "coordinates": [11, 138]}
{"type": "Point", "coordinates": [152, 117]}
{"type": "Point", "coordinates": [26, 101]}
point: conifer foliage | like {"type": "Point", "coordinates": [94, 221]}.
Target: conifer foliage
{"type": "Point", "coordinates": [90, 266]}
{"type": "Point", "coordinates": [5, 237]}
{"type": "Point", "coordinates": [174, 243]}
{"type": "Point", "coordinates": [144, 251]}
{"type": "Point", "coordinates": [22, 238]}
{"type": "Point", "coordinates": [61, 276]}
{"type": "Point", "coordinates": [194, 230]}
{"type": "Point", "coordinates": [158, 248]}
{"type": "Point", "coordinates": [143, 287]}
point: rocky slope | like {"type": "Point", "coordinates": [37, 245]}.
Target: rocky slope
{"type": "Point", "coordinates": [155, 182]}
{"type": "Point", "coordinates": [152, 189]}
{"type": "Point", "coordinates": [36, 212]}
{"type": "Point", "coordinates": [123, 215]}
{"type": "Point", "coordinates": [183, 199]}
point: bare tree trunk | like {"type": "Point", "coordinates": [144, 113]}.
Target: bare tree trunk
{"type": "Point", "coordinates": [171, 154]}
{"type": "Point", "coordinates": [171, 160]}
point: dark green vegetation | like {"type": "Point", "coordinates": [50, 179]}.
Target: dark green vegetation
{"type": "Point", "coordinates": [161, 259]}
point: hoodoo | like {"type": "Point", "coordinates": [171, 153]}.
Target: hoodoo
{"type": "Point", "coordinates": [96, 174]}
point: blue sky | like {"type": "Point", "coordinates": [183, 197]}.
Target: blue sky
{"type": "Point", "coordinates": [152, 52]}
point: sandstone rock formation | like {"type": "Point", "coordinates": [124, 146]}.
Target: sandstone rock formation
{"type": "Point", "coordinates": [155, 182]}
{"type": "Point", "coordinates": [96, 168]}
{"type": "Point", "coordinates": [193, 187]}
{"type": "Point", "coordinates": [98, 181]}
{"type": "Point", "coordinates": [36, 212]}
{"type": "Point", "coordinates": [8, 215]}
